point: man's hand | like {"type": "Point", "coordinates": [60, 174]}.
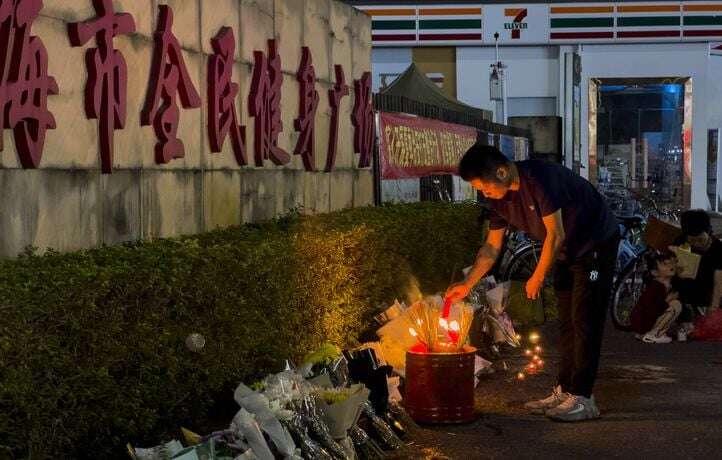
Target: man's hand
{"type": "Point", "coordinates": [457, 291]}
{"type": "Point", "coordinates": [534, 286]}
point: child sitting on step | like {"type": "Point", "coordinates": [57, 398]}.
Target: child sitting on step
{"type": "Point", "coordinates": [659, 305]}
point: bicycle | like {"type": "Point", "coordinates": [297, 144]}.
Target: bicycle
{"type": "Point", "coordinates": [631, 268]}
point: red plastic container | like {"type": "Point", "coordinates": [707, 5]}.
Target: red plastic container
{"type": "Point", "coordinates": [439, 387]}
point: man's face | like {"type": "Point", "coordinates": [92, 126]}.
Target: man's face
{"type": "Point", "coordinates": [699, 242]}
{"type": "Point", "coordinates": [490, 189]}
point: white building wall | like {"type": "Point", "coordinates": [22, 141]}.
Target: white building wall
{"type": "Point", "coordinates": [656, 60]}
{"type": "Point", "coordinates": [532, 73]}
{"type": "Point", "coordinates": [714, 110]}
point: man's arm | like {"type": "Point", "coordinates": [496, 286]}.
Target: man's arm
{"type": "Point", "coordinates": [552, 243]}
{"type": "Point", "coordinates": [716, 290]}
{"type": "Point", "coordinates": [485, 259]}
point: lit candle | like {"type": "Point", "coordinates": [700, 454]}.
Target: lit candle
{"type": "Point", "coordinates": [527, 352]}
{"type": "Point", "coordinates": [540, 363]}
{"type": "Point", "coordinates": [536, 358]}
{"type": "Point", "coordinates": [520, 376]}
{"type": "Point", "coordinates": [537, 349]}
{"type": "Point", "coordinates": [413, 332]}
{"type": "Point", "coordinates": [533, 337]}
{"type": "Point", "coordinates": [454, 326]}
{"type": "Point", "coordinates": [518, 336]}
{"type": "Point", "coordinates": [443, 323]}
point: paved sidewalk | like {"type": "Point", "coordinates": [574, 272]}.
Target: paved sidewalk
{"type": "Point", "coordinates": [657, 401]}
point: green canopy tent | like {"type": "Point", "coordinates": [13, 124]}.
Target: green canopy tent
{"type": "Point", "coordinates": [414, 85]}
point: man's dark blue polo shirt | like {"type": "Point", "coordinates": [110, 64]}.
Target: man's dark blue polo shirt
{"type": "Point", "coordinates": [545, 187]}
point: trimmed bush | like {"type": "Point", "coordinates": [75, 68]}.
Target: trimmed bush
{"type": "Point", "coordinates": [92, 351]}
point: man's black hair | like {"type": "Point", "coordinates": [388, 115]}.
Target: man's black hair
{"type": "Point", "coordinates": [695, 221]}
{"type": "Point", "coordinates": [482, 162]}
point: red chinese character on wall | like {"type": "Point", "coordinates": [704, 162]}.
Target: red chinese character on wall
{"type": "Point", "coordinates": [222, 94]}
{"type": "Point", "coordinates": [335, 94]}
{"type": "Point", "coordinates": [363, 120]}
{"type": "Point", "coordinates": [307, 105]}
{"type": "Point", "coordinates": [264, 104]}
{"type": "Point", "coordinates": [105, 90]}
{"type": "Point", "coordinates": [24, 80]}
{"type": "Point", "coordinates": [168, 78]}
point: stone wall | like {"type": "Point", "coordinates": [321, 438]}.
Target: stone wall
{"type": "Point", "coordinates": [68, 204]}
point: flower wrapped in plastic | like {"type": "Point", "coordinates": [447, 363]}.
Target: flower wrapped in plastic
{"type": "Point", "coordinates": [365, 447]}
{"type": "Point", "coordinates": [310, 449]}
{"type": "Point", "coordinates": [340, 408]}
{"type": "Point", "coordinates": [267, 417]}
{"type": "Point", "coordinates": [317, 428]}
{"type": "Point", "coordinates": [244, 426]}
{"type": "Point", "coordinates": [385, 433]}
{"type": "Point", "coordinates": [320, 360]}
{"type": "Point", "coordinates": [161, 452]}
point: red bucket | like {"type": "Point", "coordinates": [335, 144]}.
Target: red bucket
{"type": "Point", "coordinates": [439, 387]}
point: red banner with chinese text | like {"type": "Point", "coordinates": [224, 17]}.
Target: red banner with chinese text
{"type": "Point", "coordinates": [411, 146]}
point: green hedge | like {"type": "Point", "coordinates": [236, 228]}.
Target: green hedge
{"type": "Point", "coordinates": [92, 350]}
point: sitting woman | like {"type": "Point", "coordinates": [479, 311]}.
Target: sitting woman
{"type": "Point", "coordinates": [705, 290]}
{"type": "Point", "coordinates": [659, 305]}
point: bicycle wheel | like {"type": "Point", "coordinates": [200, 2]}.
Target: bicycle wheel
{"type": "Point", "coordinates": [522, 263]}
{"type": "Point", "coordinates": [626, 292]}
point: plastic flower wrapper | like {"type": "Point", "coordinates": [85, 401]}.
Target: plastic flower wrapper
{"type": "Point", "coordinates": [338, 371]}
{"type": "Point", "coordinates": [393, 385]}
{"type": "Point", "coordinates": [310, 449]}
{"type": "Point", "coordinates": [225, 440]}
{"type": "Point", "coordinates": [366, 448]}
{"type": "Point", "coordinates": [498, 297]}
{"type": "Point", "coordinates": [259, 405]}
{"type": "Point", "coordinates": [341, 408]}
{"type": "Point", "coordinates": [402, 417]}
{"type": "Point", "coordinates": [347, 445]}
{"type": "Point", "coordinates": [382, 429]}
{"type": "Point", "coordinates": [317, 428]}
{"type": "Point", "coordinates": [499, 325]}
{"type": "Point", "coordinates": [398, 330]}
{"type": "Point", "coordinates": [319, 360]}
{"type": "Point", "coordinates": [283, 387]}
{"type": "Point", "coordinates": [246, 427]}
{"type": "Point", "coordinates": [162, 452]}
{"type": "Point", "coordinates": [210, 449]}
{"type": "Point", "coordinates": [394, 352]}
{"type": "Point", "coordinates": [394, 311]}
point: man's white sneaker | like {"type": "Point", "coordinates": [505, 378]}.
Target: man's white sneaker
{"type": "Point", "coordinates": [651, 338]}
{"type": "Point", "coordinates": [574, 409]}
{"type": "Point", "coordinates": [541, 406]}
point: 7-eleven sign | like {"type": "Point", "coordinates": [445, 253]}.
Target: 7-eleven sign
{"type": "Point", "coordinates": [517, 24]}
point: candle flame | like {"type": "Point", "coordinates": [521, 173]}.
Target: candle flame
{"type": "Point", "coordinates": [454, 326]}
{"type": "Point", "coordinates": [520, 376]}
{"type": "Point", "coordinates": [413, 332]}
